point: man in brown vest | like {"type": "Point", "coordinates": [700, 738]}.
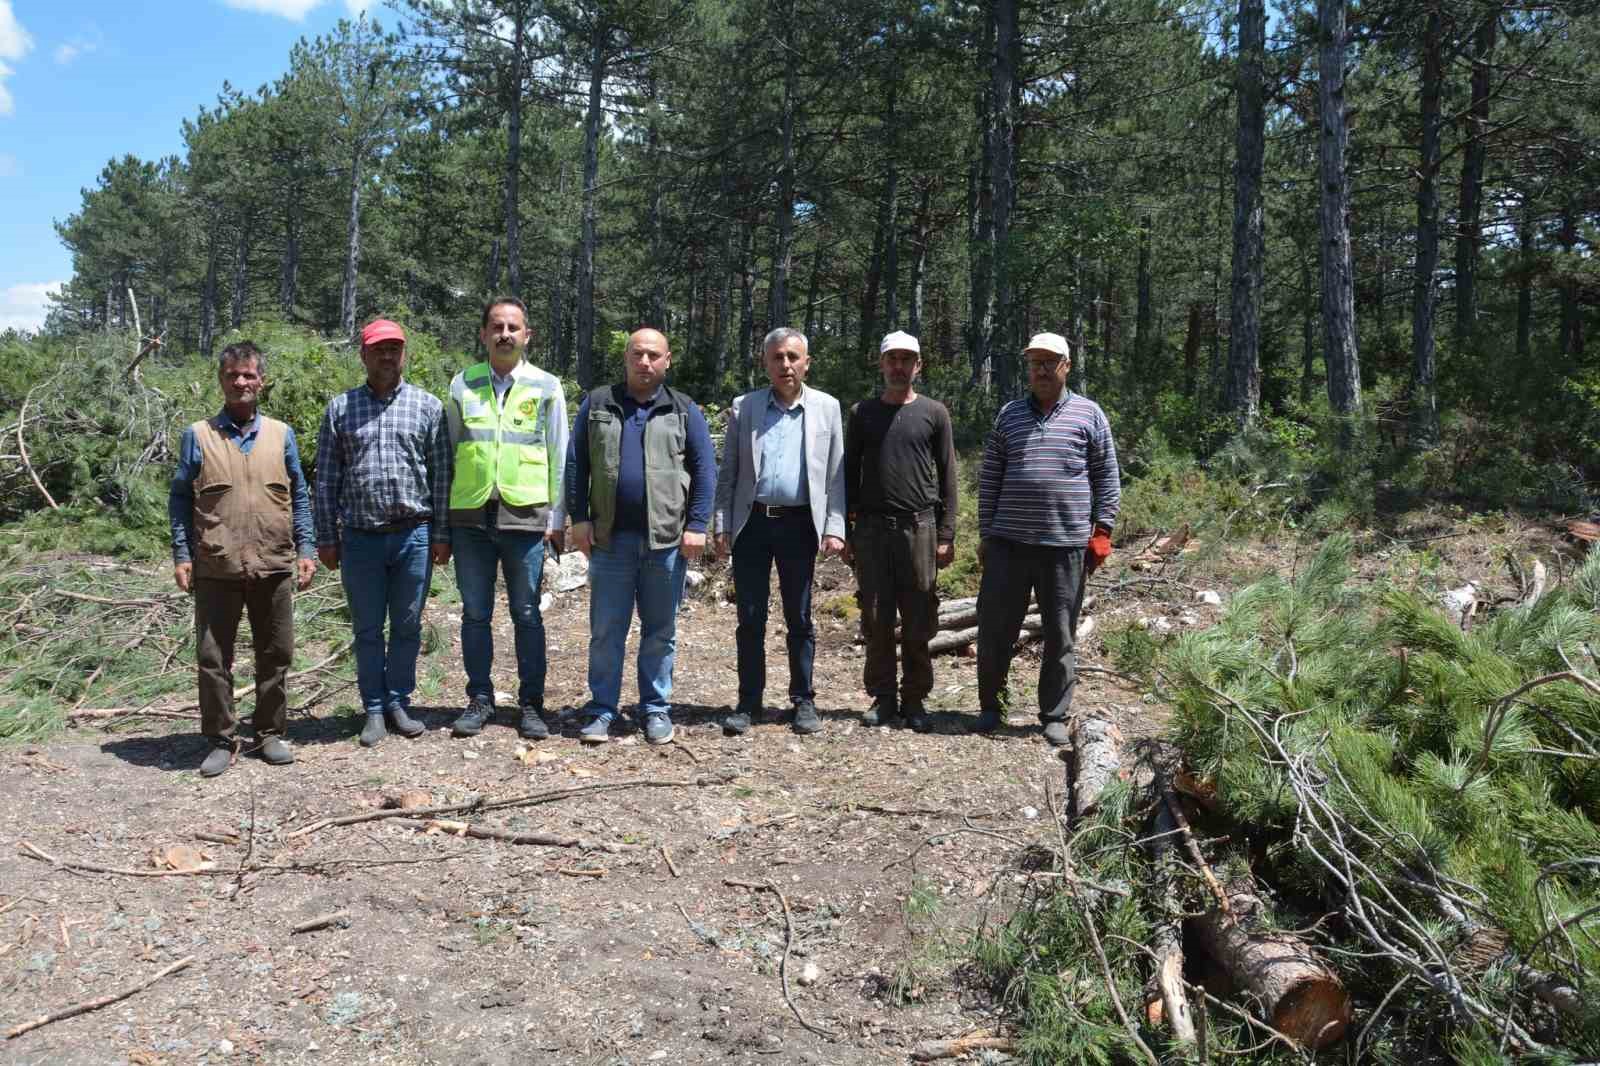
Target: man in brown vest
{"type": "Point", "coordinates": [241, 531]}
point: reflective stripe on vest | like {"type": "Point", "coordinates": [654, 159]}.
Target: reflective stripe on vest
{"type": "Point", "coordinates": [506, 451]}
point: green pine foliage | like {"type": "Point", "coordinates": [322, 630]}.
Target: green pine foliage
{"type": "Point", "coordinates": [1381, 790]}
{"type": "Point", "coordinates": [1384, 723]}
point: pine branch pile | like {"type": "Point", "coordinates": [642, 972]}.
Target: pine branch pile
{"type": "Point", "coordinates": [95, 641]}
{"type": "Point", "coordinates": [1382, 803]}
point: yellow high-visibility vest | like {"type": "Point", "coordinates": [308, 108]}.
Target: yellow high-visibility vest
{"type": "Point", "coordinates": [503, 447]}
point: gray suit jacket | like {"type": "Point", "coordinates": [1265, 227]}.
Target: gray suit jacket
{"type": "Point", "coordinates": [741, 462]}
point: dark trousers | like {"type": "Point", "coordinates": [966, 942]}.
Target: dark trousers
{"type": "Point", "coordinates": [217, 607]}
{"type": "Point", "coordinates": [791, 543]}
{"type": "Point", "coordinates": [1011, 571]}
{"type": "Point", "coordinates": [896, 570]}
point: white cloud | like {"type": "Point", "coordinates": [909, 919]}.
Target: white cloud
{"type": "Point", "coordinates": [77, 47]}
{"type": "Point", "coordinates": [14, 44]}
{"type": "Point", "coordinates": [293, 10]}
{"type": "Point", "coordinates": [24, 306]}
{"type": "Point", "coordinates": [10, 166]}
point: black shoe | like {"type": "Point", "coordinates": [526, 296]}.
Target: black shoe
{"type": "Point", "coordinates": [1057, 734]}
{"type": "Point", "coordinates": [374, 731]}
{"type": "Point", "coordinates": [918, 718]}
{"type": "Point", "coordinates": [805, 718]}
{"type": "Point", "coordinates": [217, 760]}
{"type": "Point", "coordinates": [404, 724]}
{"type": "Point", "coordinates": [472, 720]}
{"type": "Point", "coordinates": [884, 711]}
{"type": "Point", "coordinates": [276, 750]}
{"type": "Point", "coordinates": [988, 722]}
{"type": "Point", "coordinates": [737, 724]}
{"type": "Point", "coordinates": [532, 726]}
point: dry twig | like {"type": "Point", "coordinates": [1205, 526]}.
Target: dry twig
{"type": "Point", "coordinates": [788, 944]}
{"type": "Point", "coordinates": [95, 1004]}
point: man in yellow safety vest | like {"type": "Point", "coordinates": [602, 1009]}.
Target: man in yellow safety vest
{"type": "Point", "coordinates": [508, 434]}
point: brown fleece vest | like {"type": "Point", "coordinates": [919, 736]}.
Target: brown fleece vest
{"type": "Point", "coordinates": [243, 511]}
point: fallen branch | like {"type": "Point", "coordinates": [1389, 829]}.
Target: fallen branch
{"type": "Point", "coordinates": [1168, 994]}
{"type": "Point", "coordinates": [322, 921]}
{"type": "Point", "coordinates": [22, 450]}
{"type": "Point", "coordinates": [788, 944]}
{"type": "Point", "coordinates": [467, 829]}
{"type": "Point", "coordinates": [672, 867]}
{"type": "Point", "coordinates": [1193, 847]}
{"type": "Point", "coordinates": [95, 1004]}
{"type": "Point", "coordinates": [530, 799]}
{"type": "Point", "coordinates": [933, 1050]}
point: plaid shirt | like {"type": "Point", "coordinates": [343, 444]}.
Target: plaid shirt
{"type": "Point", "coordinates": [382, 461]}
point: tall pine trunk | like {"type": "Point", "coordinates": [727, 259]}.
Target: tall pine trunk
{"type": "Point", "coordinates": [747, 305]}
{"type": "Point", "coordinates": [980, 215]}
{"type": "Point", "coordinates": [591, 212]}
{"type": "Point", "coordinates": [1424, 395]}
{"type": "Point", "coordinates": [241, 274]}
{"type": "Point", "coordinates": [1243, 393]}
{"type": "Point", "coordinates": [1339, 349]}
{"type": "Point", "coordinates": [778, 297]}
{"type": "Point", "coordinates": [1003, 88]}
{"type": "Point", "coordinates": [1469, 213]}
{"type": "Point", "coordinates": [208, 298]}
{"type": "Point", "coordinates": [919, 261]}
{"type": "Point", "coordinates": [656, 314]}
{"type": "Point", "coordinates": [724, 333]}
{"type": "Point", "coordinates": [1143, 319]}
{"type": "Point", "coordinates": [514, 155]}
{"type": "Point", "coordinates": [1524, 283]}
{"type": "Point", "coordinates": [289, 268]}
{"type": "Point", "coordinates": [1570, 340]}
{"type": "Point", "coordinates": [352, 248]}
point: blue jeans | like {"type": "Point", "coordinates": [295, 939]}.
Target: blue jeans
{"type": "Point", "coordinates": [386, 575]}
{"type": "Point", "coordinates": [623, 574]}
{"type": "Point", "coordinates": [520, 556]}
{"type": "Point", "coordinates": [791, 543]}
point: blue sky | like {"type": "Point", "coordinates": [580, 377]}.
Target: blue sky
{"type": "Point", "coordinates": [83, 81]}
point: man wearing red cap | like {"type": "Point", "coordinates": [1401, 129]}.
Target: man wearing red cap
{"type": "Point", "coordinates": [1048, 493]}
{"type": "Point", "coordinates": [382, 497]}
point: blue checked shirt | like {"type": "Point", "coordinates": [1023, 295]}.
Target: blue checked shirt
{"type": "Point", "coordinates": [382, 461]}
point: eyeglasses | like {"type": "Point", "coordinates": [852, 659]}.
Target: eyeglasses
{"type": "Point", "coordinates": [1035, 365]}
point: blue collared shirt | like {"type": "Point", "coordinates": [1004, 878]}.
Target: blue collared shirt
{"type": "Point", "coordinates": [180, 496]}
{"type": "Point", "coordinates": [782, 482]}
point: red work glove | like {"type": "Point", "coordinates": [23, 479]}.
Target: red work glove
{"type": "Point", "coordinates": [1098, 551]}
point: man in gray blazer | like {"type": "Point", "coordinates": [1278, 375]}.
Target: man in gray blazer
{"type": "Point", "coordinates": [780, 495]}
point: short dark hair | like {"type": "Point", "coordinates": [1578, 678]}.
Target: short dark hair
{"type": "Point", "coordinates": [504, 300]}
{"type": "Point", "coordinates": [243, 352]}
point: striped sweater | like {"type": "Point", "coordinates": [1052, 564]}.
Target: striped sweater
{"type": "Point", "coordinates": [1049, 477]}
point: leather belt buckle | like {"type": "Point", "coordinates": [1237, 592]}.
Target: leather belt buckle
{"type": "Point", "coordinates": [772, 510]}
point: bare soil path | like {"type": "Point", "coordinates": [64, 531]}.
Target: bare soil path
{"type": "Point", "coordinates": [634, 949]}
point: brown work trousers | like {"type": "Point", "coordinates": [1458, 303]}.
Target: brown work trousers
{"type": "Point", "coordinates": [218, 605]}
{"type": "Point", "coordinates": [896, 570]}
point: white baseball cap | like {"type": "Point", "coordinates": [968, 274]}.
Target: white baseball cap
{"type": "Point", "coordinates": [899, 341]}
{"type": "Point", "coordinates": [1054, 343]}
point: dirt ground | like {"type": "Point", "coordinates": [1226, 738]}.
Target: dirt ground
{"type": "Point", "coordinates": [629, 947]}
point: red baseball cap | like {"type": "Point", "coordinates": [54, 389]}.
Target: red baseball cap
{"type": "Point", "coordinates": [381, 329]}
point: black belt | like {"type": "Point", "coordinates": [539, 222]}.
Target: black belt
{"type": "Point", "coordinates": [896, 519]}
{"type": "Point", "coordinates": [774, 511]}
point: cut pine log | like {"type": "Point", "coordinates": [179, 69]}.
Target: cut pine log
{"type": "Point", "coordinates": [957, 639]}
{"type": "Point", "coordinates": [1096, 761]}
{"type": "Point", "coordinates": [1296, 993]}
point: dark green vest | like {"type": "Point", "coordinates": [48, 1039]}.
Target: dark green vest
{"type": "Point", "coordinates": [666, 479]}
